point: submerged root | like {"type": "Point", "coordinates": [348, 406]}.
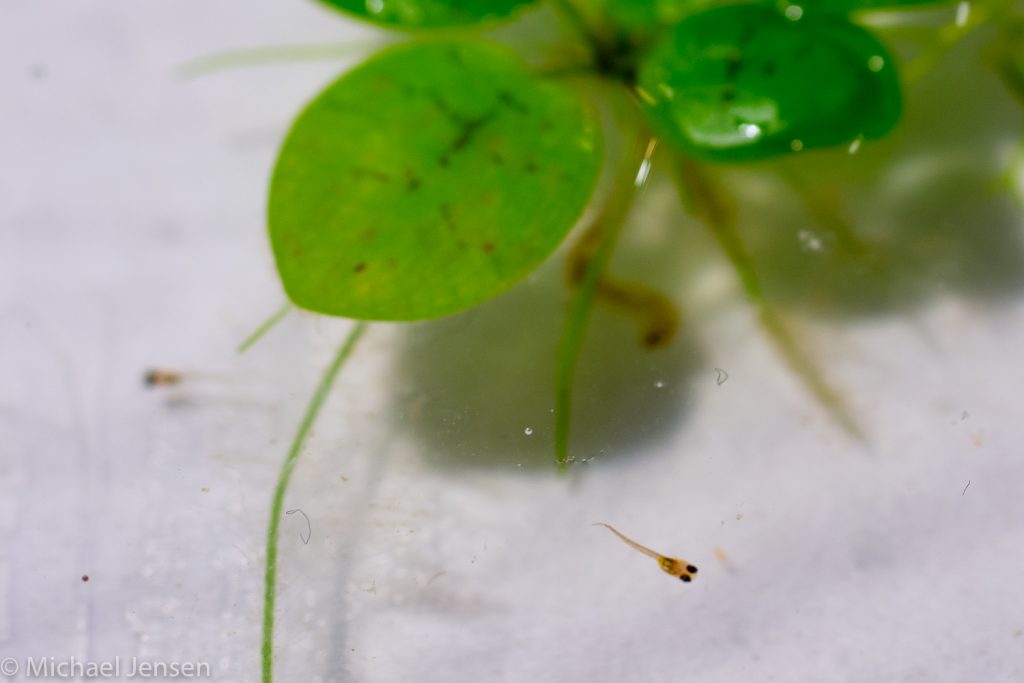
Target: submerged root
{"type": "Point", "coordinates": [656, 315]}
{"type": "Point", "coordinates": [705, 201]}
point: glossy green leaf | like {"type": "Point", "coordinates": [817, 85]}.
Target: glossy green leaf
{"type": "Point", "coordinates": [430, 179]}
{"type": "Point", "coordinates": [428, 13]}
{"type": "Point", "coordinates": [745, 82]}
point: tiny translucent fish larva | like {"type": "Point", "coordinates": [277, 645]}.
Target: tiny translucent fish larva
{"type": "Point", "coordinates": [670, 565]}
{"type": "Point", "coordinates": [161, 378]}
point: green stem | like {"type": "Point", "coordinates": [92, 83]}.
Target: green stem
{"type": "Point", "coordinates": [1014, 176]}
{"type": "Point", "coordinates": [702, 199]}
{"type": "Point", "coordinates": [950, 35]}
{"type": "Point", "coordinates": [607, 226]}
{"type": "Point", "coordinates": [572, 14]}
{"type": "Point", "coordinates": [274, 54]}
{"type": "Point", "coordinates": [265, 327]}
{"type": "Point", "coordinates": [276, 507]}
{"type": "Point", "coordinates": [1013, 77]}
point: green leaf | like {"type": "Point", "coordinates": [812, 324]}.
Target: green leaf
{"type": "Point", "coordinates": [745, 82]}
{"type": "Point", "coordinates": [428, 13]}
{"type": "Point", "coordinates": [430, 179]}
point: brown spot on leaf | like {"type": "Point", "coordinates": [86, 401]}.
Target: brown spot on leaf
{"type": "Point", "coordinates": [412, 181]}
{"type": "Point", "coordinates": [362, 172]}
{"type": "Point", "coordinates": [510, 101]}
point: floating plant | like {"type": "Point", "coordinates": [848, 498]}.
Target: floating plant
{"type": "Point", "coordinates": [443, 170]}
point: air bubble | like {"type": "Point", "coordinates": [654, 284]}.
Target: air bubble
{"type": "Point", "coordinates": [809, 241]}
{"type": "Point", "coordinates": [528, 431]}
{"type": "Point", "coordinates": [963, 14]}
{"type": "Point", "coordinates": [751, 131]}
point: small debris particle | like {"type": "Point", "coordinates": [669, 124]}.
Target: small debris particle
{"type": "Point", "coordinates": [85, 578]}
{"type": "Point", "coordinates": [309, 527]}
{"type": "Point", "coordinates": [964, 416]}
{"type": "Point", "coordinates": [966, 487]}
{"type": "Point", "coordinates": [725, 560]}
{"type": "Point", "coordinates": [978, 439]}
{"type": "Point", "coordinates": [722, 376]}
{"type": "Point", "coordinates": [205, 489]}
{"type": "Point", "coordinates": [434, 578]}
{"type": "Point", "coordinates": [739, 516]}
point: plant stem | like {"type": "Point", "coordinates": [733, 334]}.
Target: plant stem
{"type": "Point", "coordinates": [271, 54]}
{"type": "Point", "coordinates": [606, 229]}
{"type": "Point", "coordinates": [277, 504]}
{"type": "Point", "coordinates": [568, 10]}
{"type": "Point", "coordinates": [981, 13]}
{"type": "Point", "coordinates": [702, 199]}
{"type": "Point", "coordinates": [265, 327]}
